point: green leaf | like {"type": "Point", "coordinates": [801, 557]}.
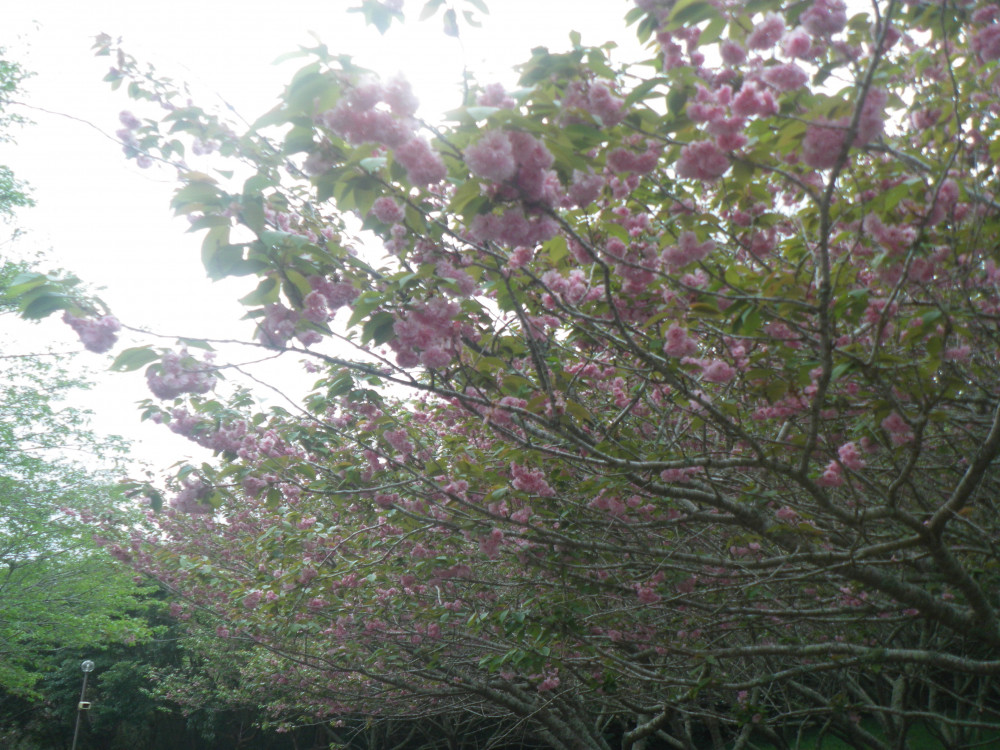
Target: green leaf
{"type": "Point", "coordinates": [676, 100]}
{"type": "Point", "coordinates": [639, 92]}
{"type": "Point", "coordinates": [480, 113]}
{"type": "Point", "coordinates": [364, 305]}
{"type": "Point", "coordinates": [450, 23]}
{"type": "Point", "coordinates": [196, 343]}
{"type": "Point", "coordinates": [378, 329]}
{"type": "Point", "coordinates": [373, 163]}
{"type": "Point", "coordinates": [713, 30]}
{"type": "Point", "coordinates": [690, 12]}
{"type": "Point", "coordinates": [134, 358]}
{"type": "Point", "coordinates": [266, 293]}
{"type": "Point", "coordinates": [195, 195]}
{"type": "Point", "coordinates": [430, 8]}
{"type": "Point", "coordinates": [44, 304]}
{"type": "Point", "coordinates": [295, 286]}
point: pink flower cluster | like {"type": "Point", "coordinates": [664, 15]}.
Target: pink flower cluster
{"type": "Point", "coordinates": [895, 238]}
{"type": "Point", "coordinates": [97, 334]}
{"type": "Point", "coordinates": [326, 298]}
{"type": "Point", "coordinates": [280, 323]}
{"type": "Point", "coordinates": [824, 139]}
{"type": "Point", "coordinates": [622, 160]}
{"type": "Point", "coordinates": [191, 498]}
{"type": "Point", "coordinates": [712, 370]}
{"type": "Point", "coordinates": [787, 515]}
{"type": "Point", "coordinates": [361, 117]}
{"type": "Point", "coordinates": [531, 481]}
{"type": "Point", "coordinates": [585, 189]}
{"type": "Point", "coordinates": [752, 99]}
{"type": "Point", "coordinates": [766, 33]}
{"type": "Point", "coordinates": [551, 682]}
{"type": "Point", "coordinates": [647, 594]}
{"type": "Point", "coordinates": [358, 118]}
{"type": "Point", "coordinates": [825, 17]}
{"type": "Point", "coordinates": [386, 210]}
{"type": "Point", "coordinates": [687, 250]}
{"type": "Point", "coordinates": [232, 438]}
{"type": "Point", "coordinates": [850, 456]}
{"type": "Point", "coordinates": [130, 142]}
{"type": "Point", "coordinates": [986, 43]}
{"type": "Point", "coordinates": [574, 288]}
{"type": "Point", "coordinates": [492, 157]}
{"type": "Point", "coordinates": [604, 105]}
{"type": "Point", "coordinates": [831, 476]}
{"type": "Point", "coordinates": [251, 600]}
{"type": "Point", "coordinates": [400, 441]}
{"type": "Point", "coordinates": [489, 545]}
{"type": "Point", "coordinates": [597, 99]}
{"type": "Point", "coordinates": [179, 372]}
{"type": "Point", "coordinates": [426, 335]}
{"type": "Point", "coordinates": [513, 228]}
{"type": "Point", "coordinates": [702, 160]}
{"type": "Point", "coordinates": [785, 77]}
{"type": "Point", "coordinates": [494, 95]}
{"type": "Point", "coordinates": [797, 43]}
{"type": "Point", "coordinates": [501, 413]}
{"type": "Point", "coordinates": [899, 431]}
{"type": "Point", "coordinates": [678, 343]}
{"type": "Point", "coordinates": [518, 159]}
{"type": "Point", "coordinates": [423, 165]}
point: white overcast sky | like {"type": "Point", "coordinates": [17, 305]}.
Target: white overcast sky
{"type": "Point", "coordinates": [109, 222]}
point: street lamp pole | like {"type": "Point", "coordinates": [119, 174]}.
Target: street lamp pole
{"type": "Point", "coordinates": [87, 667]}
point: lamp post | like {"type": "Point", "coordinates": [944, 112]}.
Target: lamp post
{"type": "Point", "coordinates": [87, 667]}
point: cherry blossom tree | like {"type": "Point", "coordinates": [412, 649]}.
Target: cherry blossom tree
{"type": "Point", "coordinates": [655, 403]}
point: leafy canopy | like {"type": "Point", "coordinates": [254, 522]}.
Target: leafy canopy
{"type": "Point", "coordinates": [666, 397]}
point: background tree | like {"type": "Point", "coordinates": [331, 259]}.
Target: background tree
{"type": "Point", "coordinates": [13, 193]}
{"type": "Point", "coordinates": [669, 411]}
{"type": "Point", "coordinates": [58, 587]}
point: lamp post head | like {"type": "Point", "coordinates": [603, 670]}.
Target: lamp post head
{"type": "Point", "coordinates": [87, 666]}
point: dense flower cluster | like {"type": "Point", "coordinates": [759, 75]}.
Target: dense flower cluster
{"type": "Point", "coordinates": [178, 373]}
{"type": "Point", "coordinates": [97, 334]}
{"type": "Point", "coordinates": [702, 376]}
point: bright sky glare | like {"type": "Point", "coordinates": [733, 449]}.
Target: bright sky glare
{"type": "Point", "coordinates": [109, 222]}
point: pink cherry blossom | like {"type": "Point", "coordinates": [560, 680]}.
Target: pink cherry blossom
{"type": "Point", "coordinates": [702, 160]}
{"type": "Point", "coordinates": [678, 343]}
{"type": "Point", "coordinates": [686, 250]}
{"type": "Point", "coordinates": [647, 595]}
{"type": "Point", "coordinates": [732, 53]}
{"type": "Point", "coordinates": [423, 165]}
{"type": "Point", "coordinates": [797, 43]}
{"type": "Point", "coordinates": [825, 17]}
{"type": "Point", "coordinates": [767, 33]}
{"type": "Point", "coordinates": [492, 157]}
{"type": "Point", "coordinates": [850, 456]}
{"type": "Point", "coordinates": [387, 210]}
{"type": "Point", "coordinates": [987, 43]}
{"type": "Point", "coordinates": [753, 99]}
{"type": "Point", "coordinates": [549, 683]}
{"type": "Point", "coordinates": [179, 373]}
{"type": "Point", "coordinates": [831, 476]}
{"type": "Point", "coordinates": [823, 143]}
{"type": "Point", "coordinates": [716, 371]}
{"type": "Point", "coordinates": [786, 77]}
{"type": "Point", "coordinates": [605, 105]}
{"type": "Point", "coordinates": [899, 431]}
{"type": "Point", "coordinates": [530, 480]}
{"type": "Point", "coordinates": [97, 334]}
